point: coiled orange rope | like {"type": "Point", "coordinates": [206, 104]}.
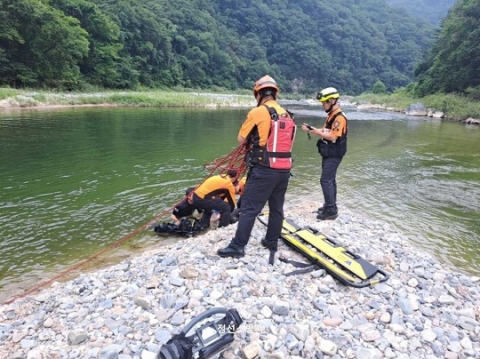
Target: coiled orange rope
{"type": "Point", "coordinates": [235, 160]}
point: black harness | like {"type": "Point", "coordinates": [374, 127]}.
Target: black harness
{"type": "Point", "coordinates": [333, 149]}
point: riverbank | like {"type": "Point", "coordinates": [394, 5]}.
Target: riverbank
{"type": "Point", "coordinates": [442, 106]}
{"type": "Point", "coordinates": [14, 100]}
{"type": "Point", "coordinates": [450, 107]}
{"type": "Point", "coordinates": [129, 310]}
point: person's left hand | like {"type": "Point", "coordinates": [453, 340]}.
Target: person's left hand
{"type": "Point", "coordinates": [306, 127]}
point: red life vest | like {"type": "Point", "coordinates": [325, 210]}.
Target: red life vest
{"type": "Point", "coordinates": [277, 152]}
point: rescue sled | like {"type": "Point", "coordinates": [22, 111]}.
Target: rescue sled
{"type": "Point", "coordinates": [342, 264]}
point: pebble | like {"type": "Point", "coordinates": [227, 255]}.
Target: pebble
{"type": "Point", "coordinates": [129, 310]}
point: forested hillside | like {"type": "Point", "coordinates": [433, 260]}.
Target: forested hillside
{"type": "Point", "coordinates": [453, 63]}
{"type": "Point", "coordinates": [304, 44]}
{"type": "Point", "coordinates": [432, 11]}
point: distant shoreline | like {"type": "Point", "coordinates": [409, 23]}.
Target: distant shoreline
{"type": "Point", "coordinates": [52, 107]}
{"type": "Point", "coordinates": [33, 100]}
{"type": "Point", "coordinates": [48, 100]}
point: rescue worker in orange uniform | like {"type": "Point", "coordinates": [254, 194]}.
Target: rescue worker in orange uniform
{"type": "Point", "coordinates": [216, 193]}
{"type": "Point", "coordinates": [332, 146]}
{"type": "Point", "coordinates": [269, 173]}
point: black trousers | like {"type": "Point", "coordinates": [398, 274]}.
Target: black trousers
{"type": "Point", "coordinates": [263, 185]}
{"type": "Point", "coordinates": [329, 183]}
{"type": "Point", "coordinates": [208, 205]}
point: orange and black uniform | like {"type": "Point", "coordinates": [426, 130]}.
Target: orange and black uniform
{"type": "Point", "coordinates": [332, 154]}
{"type": "Point", "coordinates": [258, 120]}
{"type": "Point", "coordinates": [216, 193]}
{"type": "Point", "coordinates": [263, 183]}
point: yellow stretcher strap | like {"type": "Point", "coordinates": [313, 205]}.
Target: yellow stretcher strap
{"type": "Point", "coordinates": [315, 257]}
{"type": "Point", "coordinates": [346, 266]}
{"type": "Point", "coordinates": [340, 255]}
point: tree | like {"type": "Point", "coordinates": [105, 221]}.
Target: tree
{"type": "Point", "coordinates": [44, 46]}
{"type": "Point", "coordinates": [305, 45]}
{"type": "Point", "coordinates": [378, 87]}
{"type": "Point", "coordinates": [99, 66]}
{"type": "Point", "coordinates": [146, 36]}
{"type": "Point", "coordinates": [453, 63]}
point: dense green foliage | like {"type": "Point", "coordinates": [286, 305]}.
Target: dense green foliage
{"type": "Point", "coordinates": [431, 10]}
{"type": "Point", "coordinates": [304, 44]}
{"type": "Point", "coordinates": [453, 63]}
{"type": "Point", "coordinates": [39, 44]}
{"type": "Point", "coordinates": [378, 87]}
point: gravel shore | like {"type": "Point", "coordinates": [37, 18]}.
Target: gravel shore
{"type": "Point", "coordinates": [131, 309]}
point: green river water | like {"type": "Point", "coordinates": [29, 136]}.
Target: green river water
{"type": "Point", "coordinates": [73, 181]}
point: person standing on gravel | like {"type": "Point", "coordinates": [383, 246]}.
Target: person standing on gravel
{"type": "Point", "coordinates": [269, 132]}
{"type": "Point", "coordinates": [332, 146]}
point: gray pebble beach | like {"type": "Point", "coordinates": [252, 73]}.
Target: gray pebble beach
{"type": "Point", "coordinates": [129, 310]}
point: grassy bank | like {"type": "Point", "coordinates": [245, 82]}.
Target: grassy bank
{"type": "Point", "coordinates": [23, 98]}
{"type": "Point", "coordinates": [455, 107]}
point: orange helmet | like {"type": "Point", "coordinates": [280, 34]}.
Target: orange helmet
{"type": "Point", "coordinates": [265, 82]}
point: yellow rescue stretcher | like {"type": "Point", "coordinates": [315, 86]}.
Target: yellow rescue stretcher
{"type": "Point", "coordinates": [347, 267]}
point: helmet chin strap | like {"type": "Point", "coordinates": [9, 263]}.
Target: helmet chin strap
{"type": "Point", "coordinates": [331, 106]}
{"type": "Point", "coordinates": [259, 102]}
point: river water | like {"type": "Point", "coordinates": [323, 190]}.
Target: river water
{"type": "Point", "coordinates": [74, 181]}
